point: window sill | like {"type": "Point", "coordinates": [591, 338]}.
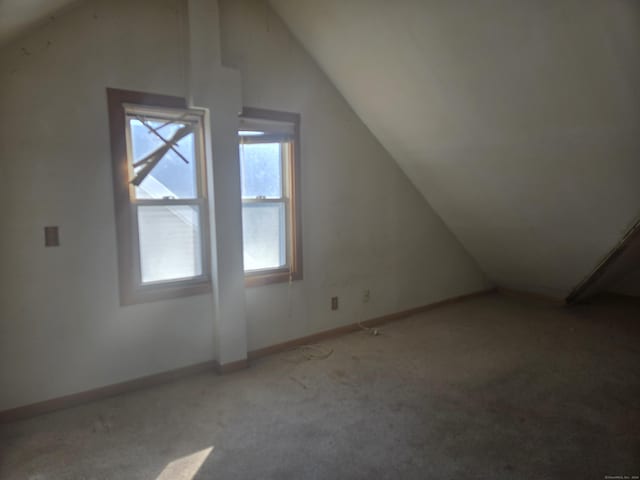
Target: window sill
{"type": "Point", "coordinates": [266, 278]}
{"type": "Point", "coordinates": [154, 293]}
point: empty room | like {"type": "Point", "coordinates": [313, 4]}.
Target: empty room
{"type": "Point", "coordinates": [319, 239]}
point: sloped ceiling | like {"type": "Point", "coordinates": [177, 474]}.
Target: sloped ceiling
{"type": "Point", "coordinates": [519, 121]}
{"type": "Point", "coordinates": [18, 15]}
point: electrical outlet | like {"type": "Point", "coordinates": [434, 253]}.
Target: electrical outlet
{"type": "Point", "coordinates": [51, 237]}
{"type": "Point", "coordinates": [334, 303]}
{"type": "Point", "coordinates": [366, 296]}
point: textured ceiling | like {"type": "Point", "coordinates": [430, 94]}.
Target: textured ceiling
{"type": "Point", "coordinates": [18, 15]}
{"type": "Point", "coordinates": [519, 121]}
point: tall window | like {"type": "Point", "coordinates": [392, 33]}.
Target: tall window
{"type": "Point", "coordinates": [160, 193]}
{"type": "Point", "coordinates": [270, 172]}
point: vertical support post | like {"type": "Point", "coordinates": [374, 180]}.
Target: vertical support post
{"type": "Point", "coordinates": [218, 89]}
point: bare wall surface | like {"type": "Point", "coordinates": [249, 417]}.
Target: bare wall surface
{"type": "Point", "coordinates": [62, 329]}
{"type": "Point", "coordinates": [18, 15]}
{"type": "Point", "coordinates": [365, 226]}
{"type": "Point", "coordinates": [519, 122]}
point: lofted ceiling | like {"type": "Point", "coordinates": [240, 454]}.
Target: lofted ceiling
{"type": "Point", "coordinates": [519, 121]}
{"type": "Point", "coordinates": [19, 15]}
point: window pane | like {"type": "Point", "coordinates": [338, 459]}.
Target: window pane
{"type": "Point", "coordinates": [172, 177]}
{"type": "Point", "coordinates": [169, 242]}
{"type": "Point", "coordinates": [264, 232]}
{"type": "Point", "coordinates": [261, 170]}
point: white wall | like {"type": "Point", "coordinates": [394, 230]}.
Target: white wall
{"type": "Point", "coordinates": [519, 121]}
{"type": "Point", "coordinates": [218, 89]}
{"type": "Point", "coordinates": [62, 329]}
{"type": "Point", "coordinates": [364, 224]}
{"type": "Point", "coordinates": [18, 15]}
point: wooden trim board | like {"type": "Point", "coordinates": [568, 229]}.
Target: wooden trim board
{"type": "Point", "coordinates": [537, 297]}
{"type": "Point", "coordinates": [354, 327]}
{"type": "Point", "coordinates": [232, 366]}
{"type": "Point", "coordinates": [75, 399]}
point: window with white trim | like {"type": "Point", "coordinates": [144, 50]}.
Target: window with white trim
{"type": "Point", "coordinates": [161, 196]}
{"type": "Point", "coordinates": [269, 171]}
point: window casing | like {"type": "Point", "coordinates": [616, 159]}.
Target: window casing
{"type": "Point", "coordinates": [160, 196]}
{"type": "Point", "coordinates": [270, 171]}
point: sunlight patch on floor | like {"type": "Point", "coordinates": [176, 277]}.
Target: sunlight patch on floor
{"type": "Point", "coordinates": [185, 468]}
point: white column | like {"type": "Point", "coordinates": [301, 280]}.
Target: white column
{"type": "Point", "coordinates": [218, 89]}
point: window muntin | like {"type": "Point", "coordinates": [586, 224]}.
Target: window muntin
{"type": "Point", "coordinates": [161, 207]}
{"type": "Point", "coordinates": [270, 206]}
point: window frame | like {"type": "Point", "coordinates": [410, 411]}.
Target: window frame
{"type": "Point", "coordinates": [132, 289]}
{"type": "Point", "coordinates": [291, 194]}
